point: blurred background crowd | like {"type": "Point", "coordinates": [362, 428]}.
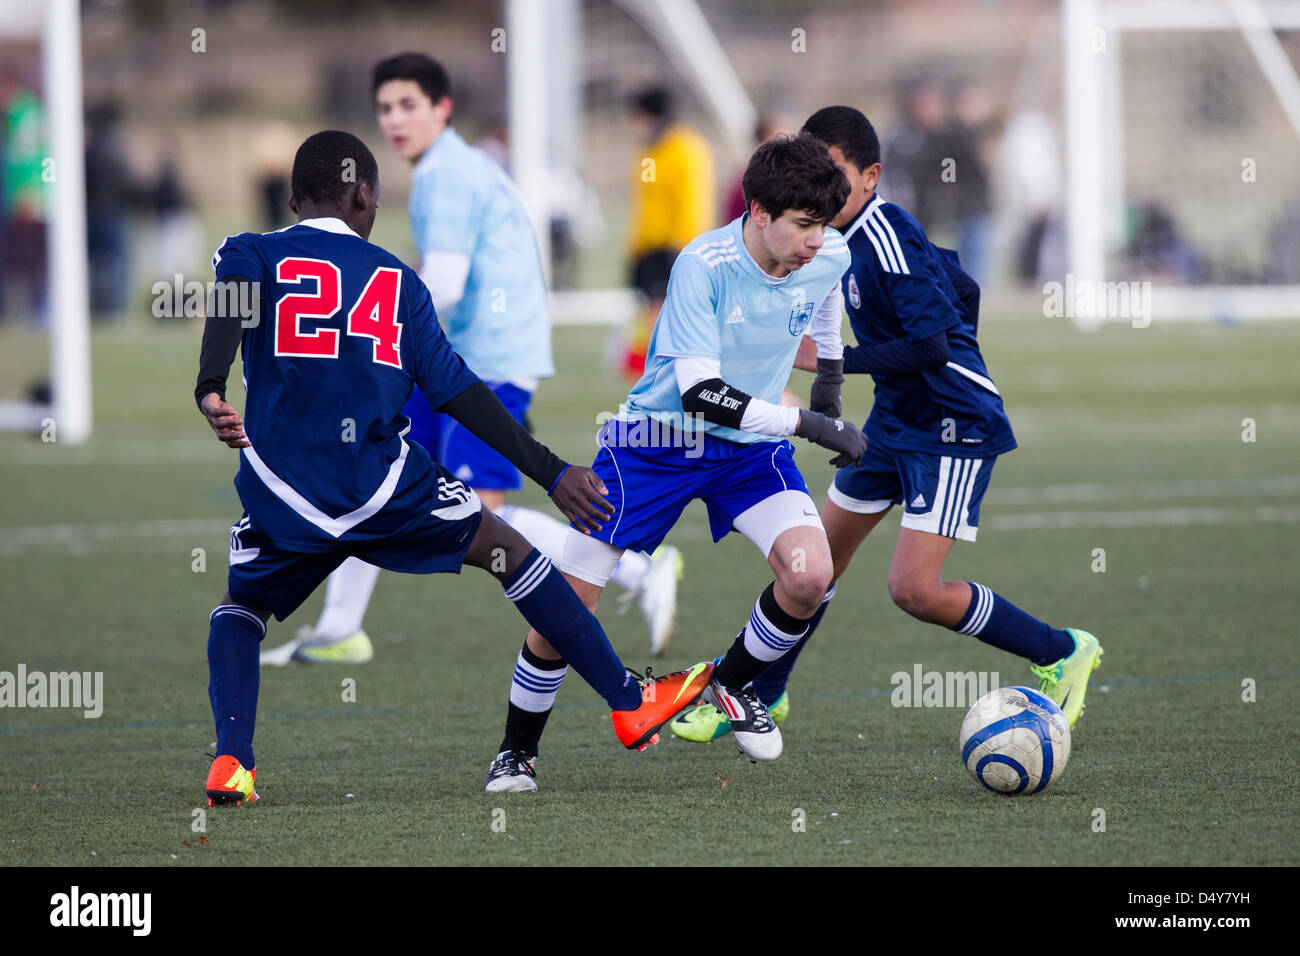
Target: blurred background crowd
{"type": "Point", "coordinates": [193, 110]}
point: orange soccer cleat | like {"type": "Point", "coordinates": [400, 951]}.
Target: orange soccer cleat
{"type": "Point", "coordinates": [229, 783]}
{"type": "Point", "coordinates": [662, 699]}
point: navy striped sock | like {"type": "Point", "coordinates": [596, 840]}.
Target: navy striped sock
{"type": "Point", "coordinates": [996, 621]}
{"type": "Point", "coordinates": [234, 635]}
{"type": "Point", "coordinates": [547, 603]}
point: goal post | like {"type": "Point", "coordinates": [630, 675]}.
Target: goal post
{"type": "Point", "coordinates": [57, 26]}
{"type": "Point", "coordinates": [1181, 83]}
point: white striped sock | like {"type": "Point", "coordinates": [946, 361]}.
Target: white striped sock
{"type": "Point", "coordinates": [764, 640]}
{"type": "Point", "coordinates": [533, 689]}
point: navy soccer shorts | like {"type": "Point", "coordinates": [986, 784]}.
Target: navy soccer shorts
{"type": "Point", "coordinates": [939, 493]}
{"type": "Point", "coordinates": [263, 575]}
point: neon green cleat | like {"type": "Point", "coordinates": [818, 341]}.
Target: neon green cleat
{"type": "Point", "coordinates": [356, 649]}
{"type": "Point", "coordinates": [699, 725]}
{"type": "Point", "coordinates": [1066, 681]}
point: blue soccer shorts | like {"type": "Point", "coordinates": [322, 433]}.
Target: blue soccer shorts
{"type": "Point", "coordinates": [263, 575]}
{"type": "Point", "coordinates": [939, 493]}
{"type": "Point", "coordinates": [459, 450]}
{"type": "Point", "coordinates": [654, 472]}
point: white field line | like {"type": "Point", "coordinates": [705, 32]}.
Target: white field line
{"type": "Point", "coordinates": [74, 539]}
{"type": "Point", "coordinates": [1084, 493]}
{"type": "Point", "coordinates": [186, 533]}
{"type": "Point", "coordinates": [143, 453]}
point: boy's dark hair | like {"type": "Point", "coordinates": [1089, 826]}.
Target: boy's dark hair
{"type": "Point", "coordinates": [848, 130]}
{"type": "Point", "coordinates": [321, 169]}
{"type": "Point", "coordinates": [795, 172]}
{"type": "Point", "coordinates": [423, 70]}
{"type": "Point", "coordinates": [654, 101]}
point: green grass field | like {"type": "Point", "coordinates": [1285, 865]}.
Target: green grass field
{"type": "Point", "coordinates": [1131, 442]}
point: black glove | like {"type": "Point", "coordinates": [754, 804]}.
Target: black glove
{"type": "Point", "coordinates": [826, 387]}
{"type": "Point", "coordinates": [835, 434]}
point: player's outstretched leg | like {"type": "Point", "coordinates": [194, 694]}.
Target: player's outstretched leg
{"type": "Point", "coordinates": [845, 532]}
{"type": "Point", "coordinates": [337, 637]}
{"type": "Point", "coordinates": [651, 581]}
{"type": "Point", "coordinates": [550, 605]}
{"type": "Point", "coordinates": [1062, 659]}
{"type": "Point", "coordinates": [234, 634]}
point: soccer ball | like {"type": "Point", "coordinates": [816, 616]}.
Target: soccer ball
{"type": "Point", "coordinates": [1015, 740]}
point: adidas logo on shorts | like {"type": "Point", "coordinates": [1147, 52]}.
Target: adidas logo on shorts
{"type": "Point", "coordinates": [918, 502]}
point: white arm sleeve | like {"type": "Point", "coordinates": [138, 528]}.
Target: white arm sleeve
{"type": "Point", "coordinates": [825, 326]}
{"type": "Point", "coordinates": [445, 274]}
{"type": "Point", "coordinates": [762, 418]}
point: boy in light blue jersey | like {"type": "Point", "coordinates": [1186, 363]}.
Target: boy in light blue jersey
{"type": "Point", "coordinates": [936, 429]}
{"type": "Point", "coordinates": [705, 421]}
{"type": "Point", "coordinates": [480, 261]}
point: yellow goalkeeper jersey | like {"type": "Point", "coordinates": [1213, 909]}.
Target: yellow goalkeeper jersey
{"type": "Point", "coordinates": [673, 197]}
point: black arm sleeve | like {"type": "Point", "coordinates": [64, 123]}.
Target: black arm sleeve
{"type": "Point", "coordinates": [221, 337]}
{"type": "Point", "coordinates": [717, 402]}
{"type": "Point", "coordinates": [900, 355]}
{"type": "Point", "coordinates": [479, 410]}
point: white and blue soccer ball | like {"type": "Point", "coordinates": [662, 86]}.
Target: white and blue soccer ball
{"type": "Point", "coordinates": [1015, 741]}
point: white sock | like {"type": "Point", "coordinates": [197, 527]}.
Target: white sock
{"type": "Point", "coordinates": [532, 688]}
{"type": "Point", "coordinates": [543, 532]}
{"type": "Point", "coordinates": [629, 571]}
{"type": "Point", "coordinates": [547, 535]}
{"type": "Point", "coordinates": [763, 639]}
{"type": "Point", "coordinates": [347, 595]}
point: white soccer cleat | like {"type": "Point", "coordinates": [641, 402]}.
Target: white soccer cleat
{"type": "Point", "coordinates": [511, 772]}
{"type": "Point", "coordinates": [658, 596]}
{"type": "Point", "coordinates": [282, 655]}
{"type": "Point", "coordinates": [756, 732]}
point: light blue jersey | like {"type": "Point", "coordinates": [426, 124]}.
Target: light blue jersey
{"type": "Point", "coordinates": [721, 305]}
{"type": "Point", "coordinates": [463, 202]}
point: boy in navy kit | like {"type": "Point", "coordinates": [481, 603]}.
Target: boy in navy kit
{"type": "Point", "coordinates": [344, 331]}
{"type": "Point", "coordinates": [934, 433]}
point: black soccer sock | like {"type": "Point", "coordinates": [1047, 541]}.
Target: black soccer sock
{"type": "Point", "coordinates": [770, 633]}
{"type": "Point", "coordinates": [532, 696]}
{"type": "Point", "coordinates": [770, 684]}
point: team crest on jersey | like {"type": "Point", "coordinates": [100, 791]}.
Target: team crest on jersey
{"type": "Point", "coordinates": [800, 316]}
{"type": "Point", "coordinates": [855, 297]}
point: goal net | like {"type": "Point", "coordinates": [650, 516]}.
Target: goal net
{"type": "Point", "coordinates": [1182, 124]}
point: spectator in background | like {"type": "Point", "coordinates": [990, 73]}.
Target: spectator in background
{"type": "Point", "coordinates": [937, 169]}
{"type": "Point", "coordinates": [25, 192]}
{"type": "Point", "coordinates": [273, 148]}
{"type": "Point", "coordinates": [673, 201]}
{"type": "Point", "coordinates": [177, 231]}
{"type": "Point", "coordinates": [914, 154]}
{"type": "Point", "coordinates": [966, 132]}
{"type": "Point", "coordinates": [1157, 249]}
{"type": "Point", "coordinates": [1284, 257]}
{"type": "Point", "coordinates": [110, 193]}
{"type": "Point", "coordinates": [768, 125]}
{"type": "Point", "coordinates": [1031, 181]}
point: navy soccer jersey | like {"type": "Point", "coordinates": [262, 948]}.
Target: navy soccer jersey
{"type": "Point", "coordinates": [346, 330]}
{"type": "Point", "coordinates": [901, 285]}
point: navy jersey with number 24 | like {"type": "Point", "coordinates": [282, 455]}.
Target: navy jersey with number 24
{"type": "Point", "coordinates": [346, 330]}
